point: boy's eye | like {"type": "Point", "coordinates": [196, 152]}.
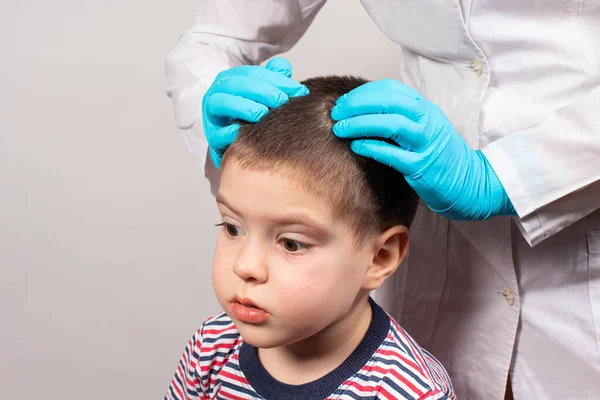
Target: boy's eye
{"type": "Point", "coordinates": [232, 230]}
{"type": "Point", "coordinates": [293, 246]}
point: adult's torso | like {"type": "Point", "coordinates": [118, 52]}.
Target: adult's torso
{"type": "Point", "coordinates": [473, 293]}
{"type": "Point", "coordinates": [494, 67]}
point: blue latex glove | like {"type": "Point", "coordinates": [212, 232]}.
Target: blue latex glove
{"type": "Point", "coordinates": [451, 178]}
{"type": "Point", "coordinates": [244, 93]}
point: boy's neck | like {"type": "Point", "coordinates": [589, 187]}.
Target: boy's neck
{"type": "Point", "coordinates": [314, 357]}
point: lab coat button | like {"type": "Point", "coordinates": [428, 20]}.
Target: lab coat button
{"type": "Point", "coordinates": [476, 67]}
{"type": "Point", "coordinates": [509, 297]}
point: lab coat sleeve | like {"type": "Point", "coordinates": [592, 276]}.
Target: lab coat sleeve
{"type": "Point", "coordinates": [551, 172]}
{"type": "Point", "coordinates": [225, 34]}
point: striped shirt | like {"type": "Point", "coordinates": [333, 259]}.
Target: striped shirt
{"type": "Point", "coordinates": [387, 364]}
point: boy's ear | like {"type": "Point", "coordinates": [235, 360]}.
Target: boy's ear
{"type": "Point", "coordinates": [390, 248]}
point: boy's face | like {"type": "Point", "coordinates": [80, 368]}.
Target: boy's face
{"type": "Point", "coordinates": [283, 250]}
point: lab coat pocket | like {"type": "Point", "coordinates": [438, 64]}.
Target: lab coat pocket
{"type": "Point", "coordinates": [593, 240]}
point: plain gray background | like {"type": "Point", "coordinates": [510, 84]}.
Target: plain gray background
{"type": "Point", "coordinates": [106, 221]}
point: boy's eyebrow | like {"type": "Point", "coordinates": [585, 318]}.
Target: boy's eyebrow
{"type": "Point", "coordinates": [287, 219]}
{"type": "Point", "coordinates": [299, 219]}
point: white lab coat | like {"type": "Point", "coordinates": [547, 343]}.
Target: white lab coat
{"type": "Point", "coordinates": [520, 80]}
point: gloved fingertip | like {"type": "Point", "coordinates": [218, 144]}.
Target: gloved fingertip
{"type": "Point", "coordinates": [338, 128]}
{"type": "Point", "coordinates": [300, 91]}
{"type": "Point", "coordinates": [232, 130]}
{"type": "Point", "coordinates": [335, 113]}
{"type": "Point", "coordinates": [285, 72]}
{"type": "Point", "coordinates": [281, 65]}
{"type": "Point", "coordinates": [357, 146]}
{"type": "Point", "coordinates": [282, 98]}
{"type": "Point", "coordinates": [216, 159]}
{"type": "Point", "coordinates": [259, 114]}
{"type": "Point", "coordinates": [341, 99]}
{"type": "Point", "coordinates": [220, 139]}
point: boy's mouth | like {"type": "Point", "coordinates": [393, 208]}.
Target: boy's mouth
{"type": "Point", "coordinates": [245, 302]}
{"type": "Point", "coordinates": [247, 311]}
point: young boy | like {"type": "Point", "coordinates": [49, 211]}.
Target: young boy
{"type": "Point", "coordinates": [308, 230]}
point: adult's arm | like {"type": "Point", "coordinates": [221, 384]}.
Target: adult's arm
{"type": "Point", "coordinates": [551, 172]}
{"type": "Point", "coordinates": [226, 34]}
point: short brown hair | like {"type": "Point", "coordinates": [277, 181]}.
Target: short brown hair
{"type": "Point", "coordinates": [296, 139]}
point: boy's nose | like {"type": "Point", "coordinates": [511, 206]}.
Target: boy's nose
{"type": "Point", "coordinates": [250, 264]}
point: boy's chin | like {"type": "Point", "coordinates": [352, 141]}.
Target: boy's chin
{"type": "Point", "coordinates": [259, 337]}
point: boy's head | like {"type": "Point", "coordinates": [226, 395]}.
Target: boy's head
{"type": "Point", "coordinates": [309, 227]}
{"type": "Point", "coordinates": [296, 141]}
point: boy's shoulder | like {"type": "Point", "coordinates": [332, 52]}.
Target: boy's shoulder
{"type": "Point", "coordinates": [216, 342]}
{"type": "Point", "coordinates": [221, 323]}
{"type": "Point", "coordinates": [210, 350]}
{"type": "Point", "coordinates": [411, 370]}
{"type": "Point", "coordinates": [218, 331]}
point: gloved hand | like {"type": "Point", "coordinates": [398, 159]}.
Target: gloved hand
{"type": "Point", "coordinates": [451, 178]}
{"type": "Point", "coordinates": [244, 93]}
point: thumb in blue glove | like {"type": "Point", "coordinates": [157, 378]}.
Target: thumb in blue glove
{"type": "Point", "coordinates": [244, 93]}
{"type": "Point", "coordinates": [451, 178]}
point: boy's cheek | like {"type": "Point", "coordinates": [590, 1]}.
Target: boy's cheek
{"type": "Point", "coordinates": [221, 270]}
{"type": "Point", "coordinates": [225, 253]}
{"type": "Point", "coordinates": [223, 284]}
{"type": "Point", "coordinates": [313, 284]}
{"type": "Point", "coordinates": [306, 304]}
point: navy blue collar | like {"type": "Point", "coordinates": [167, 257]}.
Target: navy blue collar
{"type": "Point", "coordinates": [270, 388]}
